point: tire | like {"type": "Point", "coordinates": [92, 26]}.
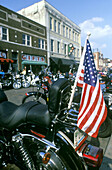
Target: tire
{"type": "Point", "coordinates": [26, 84]}
{"type": "Point", "coordinates": [17, 85]}
{"type": "Point", "coordinates": [105, 128]}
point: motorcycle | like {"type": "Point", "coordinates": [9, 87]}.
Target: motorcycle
{"type": "Point", "coordinates": [37, 136]}
{"type": "Point", "coordinates": [6, 80]}
{"type": "Point", "coordinates": [43, 85]}
{"type": "Point", "coordinates": [20, 81]}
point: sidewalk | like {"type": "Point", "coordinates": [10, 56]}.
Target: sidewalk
{"type": "Point", "coordinates": [107, 160]}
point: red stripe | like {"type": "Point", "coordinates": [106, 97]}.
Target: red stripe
{"type": "Point", "coordinates": [82, 71]}
{"type": "Point", "coordinates": [102, 120]}
{"type": "Point", "coordinates": [88, 101]}
{"type": "Point", "coordinates": [81, 78]}
{"type": "Point", "coordinates": [96, 118]}
{"type": "Point", "coordinates": [82, 99]}
{"type": "Point", "coordinates": [90, 111]}
{"type": "Point", "coordinates": [79, 84]}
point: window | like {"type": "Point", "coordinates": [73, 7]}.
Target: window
{"type": "Point", "coordinates": [41, 43]}
{"type": "Point", "coordinates": [58, 47]}
{"type": "Point", "coordinates": [59, 27]}
{"type": "Point", "coordinates": [77, 52]}
{"type": "Point", "coordinates": [50, 23]}
{"type": "Point", "coordinates": [52, 45]}
{"type": "Point", "coordinates": [73, 35]}
{"type": "Point", "coordinates": [26, 39]}
{"type": "Point", "coordinates": [70, 33]}
{"type": "Point", "coordinates": [55, 25]}
{"type": "Point", "coordinates": [65, 50]}
{"type": "Point", "coordinates": [3, 33]}
{"type": "Point", "coordinates": [67, 32]}
{"type": "Point", "coordinates": [63, 30]}
{"type": "Point", "coordinates": [76, 37]}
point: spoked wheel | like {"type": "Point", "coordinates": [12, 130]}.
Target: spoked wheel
{"type": "Point", "coordinates": [26, 84]}
{"type": "Point", "coordinates": [17, 85]}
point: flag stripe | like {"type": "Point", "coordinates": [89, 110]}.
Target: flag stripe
{"type": "Point", "coordinates": [95, 118]}
{"type": "Point", "coordinates": [90, 111]}
{"type": "Point", "coordinates": [88, 101]}
{"type": "Point", "coordinates": [102, 120]}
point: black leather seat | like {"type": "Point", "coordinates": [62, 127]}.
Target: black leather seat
{"type": "Point", "coordinates": [12, 116]}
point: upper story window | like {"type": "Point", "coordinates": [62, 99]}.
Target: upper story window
{"type": "Point", "coordinates": [26, 39]}
{"type": "Point", "coordinates": [59, 27]}
{"type": "Point", "coordinates": [55, 25]}
{"type": "Point", "coordinates": [50, 23]}
{"type": "Point", "coordinates": [64, 30]}
{"type": "Point", "coordinates": [41, 43]}
{"type": "Point", "coordinates": [58, 47]}
{"type": "Point", "coordinates": [3, 33]}
{"type": "Point", "coordinates": [65, 49]}
{"type": "Point", "coordinates": [76, 37]}
{"type": "Point", "coordinates": [73, 35]}
{"type": "Point", "coordinates": [70, 33]}
{"type": "Point", "coordinates": [52, 45]}
{"type": "Point", "coordinates": [67, 32]}
{"type": "Point", "coordinates": [77, 52]}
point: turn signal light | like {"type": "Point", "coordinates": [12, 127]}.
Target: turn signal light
{"type": "Point", "coordinates": [46, 158]}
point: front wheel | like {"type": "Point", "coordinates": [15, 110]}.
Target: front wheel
{"type": "Point", "coordinates": [17, 85]}
{"type": "Point", "coordinates": [26, 84]}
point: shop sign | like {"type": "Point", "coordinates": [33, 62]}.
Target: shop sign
{"type": "Point", "coordinates": [2, 54]}
{"type": "Point", "coordinates": [33, 58]}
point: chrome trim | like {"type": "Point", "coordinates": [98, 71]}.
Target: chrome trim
{"type": "Point", "coordinates": [40, 140]}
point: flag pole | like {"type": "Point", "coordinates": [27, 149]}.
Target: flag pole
{"type": "Point", "coordinates": [77, 76]}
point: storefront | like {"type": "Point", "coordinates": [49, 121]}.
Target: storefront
{"type": "Point", "coordinates": [61, 64]}
{"type": "Point", "coordinates": [5, 63]}
{"type": "Point", "coordinates": [33, 63]}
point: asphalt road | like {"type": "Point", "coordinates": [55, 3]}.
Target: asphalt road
{"type": "Point", "coordinates": [16, 96]}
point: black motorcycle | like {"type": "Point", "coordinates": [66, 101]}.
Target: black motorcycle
{"type": "Point", "coordinates": [32, 135]}
{"type": "Point", "coordinates": [37, 136]}
{"type": "Point", "coordinates": [6, 80]}
{"type": "Point", "coordinates": [41, 94]}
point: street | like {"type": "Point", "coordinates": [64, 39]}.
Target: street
{"type": "Point", "coordinates": [16, 96]}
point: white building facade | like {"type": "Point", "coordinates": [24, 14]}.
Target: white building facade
{"type": "Point", "coordinates": [61, 32]}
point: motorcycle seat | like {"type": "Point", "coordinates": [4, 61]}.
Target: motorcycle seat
{"type": "Point", "coordinates": [12, 116]}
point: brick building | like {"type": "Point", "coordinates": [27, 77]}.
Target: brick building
{"type": "Point", "coordinates": [23, 42]}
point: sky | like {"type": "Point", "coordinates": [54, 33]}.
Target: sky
{"type": "Point", "coordinates": [94, 16]}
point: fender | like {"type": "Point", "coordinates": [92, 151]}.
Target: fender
{"type": "Point", "coordinates": [28, 94]}
{"type": "Point", "coordinates": [67, 150]}
{"type": "Point", "coordinates": [34, 93]}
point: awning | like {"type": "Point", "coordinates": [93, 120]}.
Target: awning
{"type": "Point", "coordinates": [67, 62]}
{"type": "Point", "coordinates": [33, 63]}
{"type": "Point", "coordinates": [6, 60]}
{"type": "Point", "coordinates": [55, 59]}
{"type": "Point", "coordinates": [63, 61]}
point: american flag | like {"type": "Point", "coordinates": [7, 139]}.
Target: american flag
{"type": "Point", "coordinates": [92, 110]}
